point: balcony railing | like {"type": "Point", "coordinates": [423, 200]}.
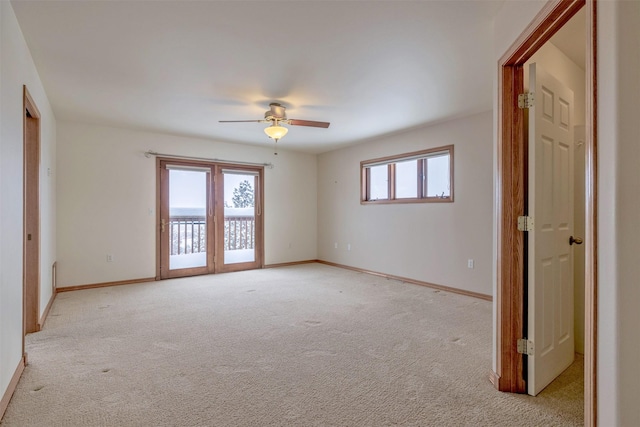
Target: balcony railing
{"type": "Point", "coordinates": [189, 236]}
{"type": "Point", "coordinates": [239, 232]}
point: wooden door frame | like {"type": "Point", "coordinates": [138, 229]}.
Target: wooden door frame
{"type": "Point", "coordinates": [511, 198]}
{"type": "Point", "coordinates": [162, 262]}
{"type": "Point", "coordinates": [30, 217]}
{"type": "Point", "coordinates": [216, 265]}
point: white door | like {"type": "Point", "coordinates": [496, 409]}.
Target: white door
{"type": "Point", "coordinates": [550, 261]}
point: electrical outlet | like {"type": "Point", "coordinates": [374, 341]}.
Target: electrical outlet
{"type": "Point", "coordinates": [348, 246]}
{"type": "Point", "coordinates": [335, 245]}
{"type": "Point", "coordinates": [109, 258]}
{"type": "Point", "coordinates": [470, 263]}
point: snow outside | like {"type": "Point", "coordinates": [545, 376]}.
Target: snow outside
{"type": "Point", "coordinates": [187, 218]}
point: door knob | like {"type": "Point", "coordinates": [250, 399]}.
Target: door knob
{"type": "Point", "coordinates": [576, 240]}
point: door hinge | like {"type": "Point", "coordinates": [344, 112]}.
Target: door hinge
{"type": "Point", "coordinates": [525, 347]}
{"type": "Point", "coordinates": [525, 223]}
{"type": "Point", "coordinates": [526, 100]}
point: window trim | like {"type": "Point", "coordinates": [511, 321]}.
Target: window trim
{"type": "Point", "coordinates": [391, 161]}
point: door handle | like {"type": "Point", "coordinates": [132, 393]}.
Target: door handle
{"type": "Point", "coordinates": [576, 240]}
{"type": "Point", "coordinates": [162, 225]}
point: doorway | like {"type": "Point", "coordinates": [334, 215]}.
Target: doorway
{"type": "Point", "coordinates": [210, 218]}
{"type": "Point", "coordinates": [554, 271]}
{"type": "Point", "coordinates": [31, 213]}
{"type": "Point", "coordinates": [511, 184]}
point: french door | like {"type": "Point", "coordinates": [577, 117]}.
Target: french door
{"type": "Point", "coordinates": [210, 218]}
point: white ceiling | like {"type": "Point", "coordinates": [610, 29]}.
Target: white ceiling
{"type": "Point", "coordinates": [368, 67]}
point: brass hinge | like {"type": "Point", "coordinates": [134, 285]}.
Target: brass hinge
{"type": "Point", "coordinates": [525, 347]}
{"type": "Point", "coordinates": [525, 223]}
{"type": "Point", "coordinates": [526, 100]}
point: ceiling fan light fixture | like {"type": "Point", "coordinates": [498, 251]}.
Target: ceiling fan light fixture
{"type": "Point", "coordinates": [275, 131]}
{"type": "Point", "coordinates": [276, 115]}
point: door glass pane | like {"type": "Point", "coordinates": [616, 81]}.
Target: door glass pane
{"type": "Point", "coordinates": [407, 179]}
{"type": "Point", "coordinates": [378, 182]}
{"type": "Point", "coordinates": [438, 178]}
{"type": "Point", "coordinates": [239, 218]}
{"type": "Point", "coordinates": [187, 219]}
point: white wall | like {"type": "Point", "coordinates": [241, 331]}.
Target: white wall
{"type": "Point", "coordinates": [6, 356]}
{"type": "Point", "coordinates": [17, 69]}
{"type": "Point", "coordinates": [107, 200]}
{"type": "Point", "coordinates": [618, 211]}
{"type": "Point", "coordinates": [556, 63]}
{"type": "Point", "coordinates": [6, 350]}
{"type": "Point", "coordinates": [618, 347]}
{"type": "Point", "coordinates": [430, 242]}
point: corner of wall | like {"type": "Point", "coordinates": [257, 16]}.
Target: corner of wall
{"type": "Point", "coordinates": [17, 68]}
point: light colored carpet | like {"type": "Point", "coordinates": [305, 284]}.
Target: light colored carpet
{"type": "Point", "coordinates": [308, 345]}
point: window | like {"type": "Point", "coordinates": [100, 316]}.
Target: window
{"type": "Point", "coordinates": [378, 182]}
{"type": "Point", "coordinates": [418, 177]}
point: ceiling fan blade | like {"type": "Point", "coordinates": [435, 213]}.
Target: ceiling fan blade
{"type": "Point", "coordinates": [311, 123]}
{"type": "Point", "coordinates": [240, 121]}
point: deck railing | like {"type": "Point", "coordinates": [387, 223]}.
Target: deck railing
{"type": "Point", "coordinates": [239, 232]}
{"type": "Point", "coordinates": [189, 236]}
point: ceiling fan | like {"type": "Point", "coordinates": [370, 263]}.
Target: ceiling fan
{"type": "Point", "coordinates": [276, 115]}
